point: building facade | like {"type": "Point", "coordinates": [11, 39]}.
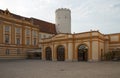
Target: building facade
{"type": "Point", "coordinates": [22, 37]}
{"type": "Point", "coordinates": [19, 35]}
{"type": "Point", "coordinates": [86, 46]}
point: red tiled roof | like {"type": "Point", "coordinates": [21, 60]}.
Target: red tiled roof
{"type": "Point", "coordinates": [44, 26]}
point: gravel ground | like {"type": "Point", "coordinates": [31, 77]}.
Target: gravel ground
{"type": "Point", "coordinates": [50, 69]}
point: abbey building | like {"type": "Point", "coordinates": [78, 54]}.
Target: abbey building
{"type": "Point", "coordinates": [23, 37]}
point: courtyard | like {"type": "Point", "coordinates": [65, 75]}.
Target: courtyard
{"type": "Point", "coordinates": [51, 69]}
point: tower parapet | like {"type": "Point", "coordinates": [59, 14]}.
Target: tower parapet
{"type": "Point", "coordinates": [59, 9]}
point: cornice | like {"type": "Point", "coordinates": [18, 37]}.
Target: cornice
{"type": "Point", "coordinates": [13, 20]}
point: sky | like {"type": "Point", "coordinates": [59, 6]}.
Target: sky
{"type": "Point", "coordinates": [86, 15]}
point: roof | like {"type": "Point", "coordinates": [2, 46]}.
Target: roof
{"type": "Point", "coordinates": [45, 27]}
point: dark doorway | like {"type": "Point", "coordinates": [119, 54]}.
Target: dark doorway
{"type": "Point", "coordinates": [37, 55]}
{"type": "Point", "coordinates": [48, 53]}
{"type": "Point", "coordinates": [60, 53]}
{"type": "Point", "coordinates": [34, 55]}
{"type": "Point", "coordinates": [82, 53]}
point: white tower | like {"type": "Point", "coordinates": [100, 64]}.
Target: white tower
{"type": "Point", "coordinates": [63, 20]}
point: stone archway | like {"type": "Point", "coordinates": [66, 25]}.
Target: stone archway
{"type": "Point", "coordinates": [48, 53]}
{"type": "Point", "coordinates": [82, 52]}
{"type": "Point", "coordinates": [60, 53]}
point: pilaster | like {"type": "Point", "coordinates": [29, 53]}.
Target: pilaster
{"type": "Point", "coordinates": [90, 48]}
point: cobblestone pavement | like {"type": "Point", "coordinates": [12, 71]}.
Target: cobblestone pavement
{"type": "Point", "coordinates": [49, 69]}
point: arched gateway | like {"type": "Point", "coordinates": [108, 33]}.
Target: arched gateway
{"type": "Point", "coordinates": [60, 53]}
{"type": "Point", "coordinates": [48, 53]}
{"type": "Point", "coordinates": [82, 53]}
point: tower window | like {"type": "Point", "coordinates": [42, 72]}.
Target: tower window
{"type": "Point", "coordinates": [65, 17]}
{"type": "Point", "coordinates": [58, 17]}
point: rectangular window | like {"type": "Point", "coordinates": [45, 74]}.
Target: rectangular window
{"type": "Point", "coordinates": [50, 36]}
{"type": "Point", "coordinates": [44, 36]}
{"type": "Point", "coordinates": [18, 30]}
{"type": "Point", "coordinates": [34, 33]}
{"type": "Point", "coordinates": [39, 36]}
{"type": "Point", "coordinates": [27, 31]}
{"type": "Point", "coordinates": [7, 51]}
{"type": "Point", "coordinates": [28, 41]}
{"type": "Point", "coordinates": [34, 42]}
{"type": "Point", "coordinates": [18, 41]}
{"type": "Point", "coordinates": [7, 28]}
{"type": "Point", "coordinates": [6, 39]}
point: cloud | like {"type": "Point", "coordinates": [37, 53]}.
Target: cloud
{"type": "Point", "coordinates": [103, 15]}
{"type": "Point", "coordinates": [116, 5]}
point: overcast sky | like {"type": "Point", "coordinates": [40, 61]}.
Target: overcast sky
{"type": "Point", "coordinates": [102, 15]}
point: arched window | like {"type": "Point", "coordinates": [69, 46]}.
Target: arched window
{"type": "Point", "coordinates": [82, 53]}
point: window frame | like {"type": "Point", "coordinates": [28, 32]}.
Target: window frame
{"type": "Point", "coordinates": [34, 41]}
{"type": "Point", "coordinates": [27, 41]}
{"type": "Point", "coordinates": [18, 42]}
{"type": "Point", "coordinates": [7, 41]}
{"type": "Point", "coordinates": [7, 28]}
{"type": "Point", "coordinates": [27, 31]}
{"type": "Point", "coordinates": [18, 30]}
